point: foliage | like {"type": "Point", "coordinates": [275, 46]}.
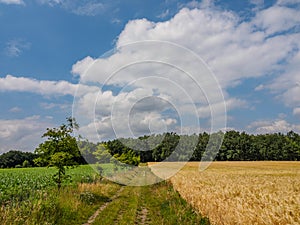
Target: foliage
{"type": "Point", "coordinates": [25, 183]}
{"type": "Point", "coordinates": [28, 196]}
{"type": "Point", "coordinates": [13, 158]}
{"type": "Point", "coordinates": [76, 203]}
{"type": "Point", "coordinates": [120, 152]}
{"type": "Point", "coordinates": [102, 154]}
{"type": "Point", "coordinates": [60, 150]}
{"type": "Point", "coordinates": [26, 164]}
{"type": "Point", "coordinates": [236, 146]}
{"type": "Point", "coordinates": [87, 150]}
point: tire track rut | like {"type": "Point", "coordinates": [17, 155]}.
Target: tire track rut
{"type": "Point", "coordinates": [102, 207]}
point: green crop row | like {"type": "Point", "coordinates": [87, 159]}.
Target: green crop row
{"type": "Point", "coordinates": [24, 183]}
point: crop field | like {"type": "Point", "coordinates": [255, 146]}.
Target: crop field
{"type": "Point", "coordinates": [243, 192]}
{"type": "Point", "coordinates": [29, 196]}
{"type": "Point", "coordinates": [225, 193]}
{"type": "Point", "coordinates": [24, 183]}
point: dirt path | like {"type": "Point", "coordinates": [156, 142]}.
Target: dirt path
{"type": "Point", "coordinates": [142, 217]}
{"type": "Point", "coordinates": [94, 216]}
{"type": "Point", "coordinates": [145, 205]}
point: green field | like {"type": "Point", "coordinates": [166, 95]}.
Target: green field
{"type": "Point", "coordinates": [24, 183]}
{"type": "Point", "coordinates": [29, 196]}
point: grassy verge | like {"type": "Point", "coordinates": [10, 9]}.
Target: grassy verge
{"type": "Point", "coordinates": [155, 204]}
{"type": "Point", "coordinates": [72, 205]}
{"type": "Point", "coordinates": [77, 201]}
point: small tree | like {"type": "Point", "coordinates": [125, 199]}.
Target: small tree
{"type": "Point", "coordinates": [26, 164]}
{"type": "Point", "coordinates": [60, 150]}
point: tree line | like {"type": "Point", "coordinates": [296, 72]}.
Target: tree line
{"type": "Point", "coordinates": [236, 146]}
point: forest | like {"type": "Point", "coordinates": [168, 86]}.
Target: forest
{"type": "Point", "coordinates": [236, 146]}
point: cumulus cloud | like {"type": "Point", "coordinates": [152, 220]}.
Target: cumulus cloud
{"type": "Point", "coordinates": [165, 60]}
{"type": "Point", "coordinates": [279, 125]}
{"type": "Point", "coordinates": [232, 103]}
{"type": "Point", "coordinates": [22, 134]}
{"type": "Point", "coordinates": [230, 47]}
{"type": "Point", "coordinates": [234, 49]}
{"type": "Point", "coordinates": [12, 2]}
{"type": "Point", "coordinates": [277, 19]}
{"type": "Point", "coordinates": [44, 87]}
{"type": "Point", "coordinates": [144, 76]}
{"type": "Point", "coordinates": [127, 114]}
{"type": "Point", "coordinates": [286, 85]}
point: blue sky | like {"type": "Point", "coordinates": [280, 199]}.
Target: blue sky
{"type": "Point", "coordinates": [51, 48]}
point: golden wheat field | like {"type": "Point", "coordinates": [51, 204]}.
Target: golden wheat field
{"type": "Point", "coordinates": [243, 192]}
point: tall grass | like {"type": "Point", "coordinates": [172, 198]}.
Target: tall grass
{"type": "Point", "coordinates": [29, 196]}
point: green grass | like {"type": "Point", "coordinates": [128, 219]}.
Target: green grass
{"type": "Point", "coordinates": [25, 183]}
{"type": "Point", "coordinates": [155, 204]}
{"type": "Point", "coordinates": [29, 196]}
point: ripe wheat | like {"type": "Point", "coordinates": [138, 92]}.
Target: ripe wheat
{"type": "Point", "coordinates": [243, 192]}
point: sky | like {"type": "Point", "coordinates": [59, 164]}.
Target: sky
{"type": "Point", "coordinates": [130, 68]}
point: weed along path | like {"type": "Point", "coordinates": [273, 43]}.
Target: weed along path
{"type": "Point", "coordinates": [94, 216]}
{"type": "Point", "coordinates": [155, 204]}
{"type": "Point", "coordinates": [145, 205]}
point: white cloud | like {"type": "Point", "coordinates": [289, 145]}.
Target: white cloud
{"type": "Point", "coordinates": [15, 109]}
{"type": "Point", "coordinates": [15, 47]}
{"type": "Point", "coordinates": [288, 2]}
{"type": "Point", "coordinates": [296, 112]}
{"type": "Point", "coordinates": [55, 105]}
{"type": "Point", "coordinates": [127, 114]}
{"type": "Point", "coordinates": [78, 7]}
{"type": "Point", "coordinates": [83, 65]}
{"type": "Point", "coordinates": [279, 125]}
{"type": "Point", "coordinates": [116, 21]}
{"type": "Point", "coordinates": [12, 2]}
{"type": "Point", "coordinates": [89, 9]}
{"type": "Point", "coordinates": [198, 4]}
{"type": "Point", "coordinates": [277, 19]}
{"type": "Point", "coordinates": [286, 85]}
{"type": "Point", "coordinates": [164, 14]}
{"type": "Point", "coordinates": [22, 134]}
{"type": "Point", "coordinates": [234, 49]}
{"type": "Point", "coordinates": [257, 2]}
{"type": "Point", "coordinates": [259, 87]}
{"type": "Point", "coordinates": [50, 2]}
{"type": "Point", "coordinates": [232, 103]}
{"type": "Point", "coordinates": [44, 87]}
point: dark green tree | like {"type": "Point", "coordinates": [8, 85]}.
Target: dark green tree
{"type": "Point", "coordinates": [60, 150]}
{"type": "Point", "coordinates": [13, 158]}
